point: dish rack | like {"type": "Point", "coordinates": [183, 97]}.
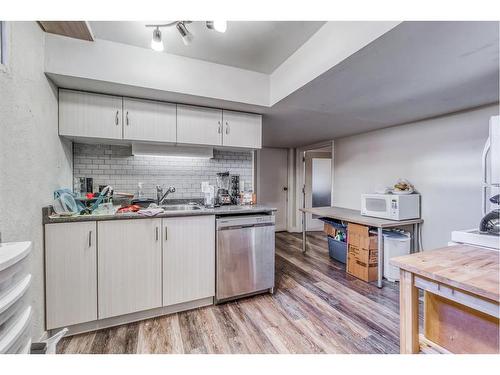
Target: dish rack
{"type": "Point", "coordinates": [15, 309]}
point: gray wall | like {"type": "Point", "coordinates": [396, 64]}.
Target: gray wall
{"type": "Point", "coordinates": [441, 157]}
{"type": "Point", "coordinates": [116, 166]}
{"type": "Point", "coordinates": [33, 161]}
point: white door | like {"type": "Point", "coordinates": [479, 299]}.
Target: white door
{"type": "Point", "coordinates": [199, 125]}
{"type": "Point", "coordinates": [129, 266]}
{"type": "Point", "coordinates": [188, 259]}
{"type": "Point", "coordinates": [242, 129]}
{"type": "Point", "coordinates": [272, 180]}
{"type": "Point", "coordinates": [318, 185]}
{"type": "Point", "coordinates": [83, 114]}
{"type": "Point", "coordinates": [146, 120]}
{"type": "Point", "coordinates": [70, 273]}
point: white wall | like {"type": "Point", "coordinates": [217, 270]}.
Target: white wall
{"type": "Point", "coordinates": [441, 157]}
{"type": "Point", "coordinates": [128, 65]}
{"type": "Point", "coordinates": [33, 161]}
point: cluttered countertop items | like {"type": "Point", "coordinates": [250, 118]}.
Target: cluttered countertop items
{"type": "Point", "coordinates": [223, 199]}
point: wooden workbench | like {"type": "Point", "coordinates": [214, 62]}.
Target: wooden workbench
{"type": "Point", "coordinates": [354, 216]}
{"type": "Point", "coordinates": [466, 275]}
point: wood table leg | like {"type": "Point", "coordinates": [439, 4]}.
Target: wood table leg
{"type": "Point", "coordinates": [408, 314]}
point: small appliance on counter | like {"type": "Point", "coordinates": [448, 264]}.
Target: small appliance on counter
{"type": "Point", "coordinates": [222, 195]}
{"type": "Point", "coordinates": [234, 191]}
{"type": "Point", "coordinates": [391, 206]}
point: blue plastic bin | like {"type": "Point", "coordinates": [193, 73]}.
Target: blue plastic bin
{"type": "Point", "coordinates": [336, 249]}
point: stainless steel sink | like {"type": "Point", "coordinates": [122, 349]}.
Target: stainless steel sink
{"type": "Point", "coordinates": [180, 207]}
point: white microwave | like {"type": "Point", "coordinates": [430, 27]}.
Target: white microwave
{"type": "Point", "coordinates": [391, 206]}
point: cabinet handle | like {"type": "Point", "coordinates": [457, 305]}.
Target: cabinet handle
{"type": "Point", "coordinates": [90, 238]}
{"type": "Point", "coordinates": [227, 127]}
{"type": "Point", "coordinates": [126, 118]}
{"type": "Point", "coordinates": [156, 233]}
{"type": "Point", "coordinates": [219, 127]}
{"type": "Point", "coordinates": [116, 118]}
{"type": "Point", "coordinates": [166, 235]}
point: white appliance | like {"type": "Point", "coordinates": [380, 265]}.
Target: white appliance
{"type": "Point", "coordinates": [491, 167]}
{"type": "Point", "coordinates": [396, 244]}
{"type": "Point", "coordinates": [391, 206]}
{"type": "Point", "coordinates": [475, 238]}
{"type": "Point", "coordinates": [490, 186]}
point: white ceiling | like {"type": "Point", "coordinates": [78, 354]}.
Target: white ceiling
{"type": "Point", "coordinates": [415, 71]}
{"type": "Point", "coordinates": [260, 46]}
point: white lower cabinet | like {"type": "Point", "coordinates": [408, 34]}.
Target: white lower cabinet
{"type": "Point", "coordinates": [129, 266]}
{"type": "Point", "coordinates": [70, 273]}
{"type": "Point", "coordinates": [110, 268]}
{"type": "Point", "coordinates": [188, 259]}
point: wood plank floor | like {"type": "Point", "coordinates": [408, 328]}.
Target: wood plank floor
{"type": "Point", "coordinates": [316, 308]}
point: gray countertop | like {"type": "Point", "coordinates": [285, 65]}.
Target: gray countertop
{"type": "Point", "coordinates": [223, 210]}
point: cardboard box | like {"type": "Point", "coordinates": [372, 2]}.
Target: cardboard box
{"type": "Point", "coordinates": [359, 236]}
{"type": "Point", "coordinates": [363, 271]}
{"type": "Point", "coordinates": [362, 252]}
{"type": "Point", "coordinates": [329, 230]}
{"type": "Point", "coordinates": [363, 255]}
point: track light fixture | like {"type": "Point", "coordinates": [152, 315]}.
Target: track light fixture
{"type": "Point", "coordinates": [220, 26]}
{"type": "Point", "coordinates": [156, 42]}
{"type": "Point", "coordinates": [186, 35]}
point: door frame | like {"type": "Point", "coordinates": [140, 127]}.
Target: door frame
{"type": "Point", "coordinates": [296, 169]}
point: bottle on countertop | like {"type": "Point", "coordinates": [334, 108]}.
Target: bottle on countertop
{"type": "Point", "coordinates": [139, 193]}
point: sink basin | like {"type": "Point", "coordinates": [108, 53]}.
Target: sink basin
{"type": "Point", "coordinates": [180, 207]}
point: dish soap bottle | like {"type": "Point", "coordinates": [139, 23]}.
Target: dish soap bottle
{"type": "Point", "coordinates": [139, 194]}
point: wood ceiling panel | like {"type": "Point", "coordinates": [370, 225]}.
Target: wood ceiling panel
{"type": "Point", "coordinates": [72, 29]}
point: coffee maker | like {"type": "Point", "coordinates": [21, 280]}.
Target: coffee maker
{"type": "Point", "coordinates": [222, 196]}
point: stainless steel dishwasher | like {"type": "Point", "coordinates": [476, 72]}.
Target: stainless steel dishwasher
{"type": "Point", "coordinates": [245, 256]}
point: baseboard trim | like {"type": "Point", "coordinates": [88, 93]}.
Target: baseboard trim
{"type": "Point", "coordinates": [134, 317]}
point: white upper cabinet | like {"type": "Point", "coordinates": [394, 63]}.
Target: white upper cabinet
{"type": "Point", "coordinates": [199, 125]}
{"type": "Point", "coordinates": [83, 114]}
{"type": "Point", "coordinates": [88, 115]}
{"type": "Point", "coordinates": [242, 129]}
{"type": "Point", "coordinates": [146, 120]}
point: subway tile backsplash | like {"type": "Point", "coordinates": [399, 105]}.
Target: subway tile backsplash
{"type": "Point", "coordinates": [116, 166]}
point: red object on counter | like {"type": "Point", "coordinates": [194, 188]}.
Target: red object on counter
{"type": "Point", "coordinates": [89, 195]}
{"type": "Point", "coordinates": [131, 208]}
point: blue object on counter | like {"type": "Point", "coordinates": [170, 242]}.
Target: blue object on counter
{"type": "Point", "coordinates": [67, 198]}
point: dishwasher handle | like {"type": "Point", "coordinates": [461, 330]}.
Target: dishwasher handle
{"type": "Point", "coordinates": [246, 226]}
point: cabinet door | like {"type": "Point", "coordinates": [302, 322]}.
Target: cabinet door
{"type": "Point", "coordinates": [70, 273]}
{"type": "Point", "coordinates": [129, 266]}
{"type": "Point", "coordinates": [146, 120]}
{"type": "Point", "coordinates": [198, 125]}
{"type": "Point", "coordinates": [188, 259]}
{"type": "Point", "coordinates": [84, 114]}
{"type": "Point", "coordinates": [242, 129]}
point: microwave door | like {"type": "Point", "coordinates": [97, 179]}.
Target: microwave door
{"type": "Point", "coordinates": [377, 206]}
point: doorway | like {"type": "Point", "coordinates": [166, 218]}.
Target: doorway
{"type": "Point", "coordinates": [317, 183]}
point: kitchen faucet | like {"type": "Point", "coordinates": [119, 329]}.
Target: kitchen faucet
{"type": "Point", "coordinates": [160, 197]}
